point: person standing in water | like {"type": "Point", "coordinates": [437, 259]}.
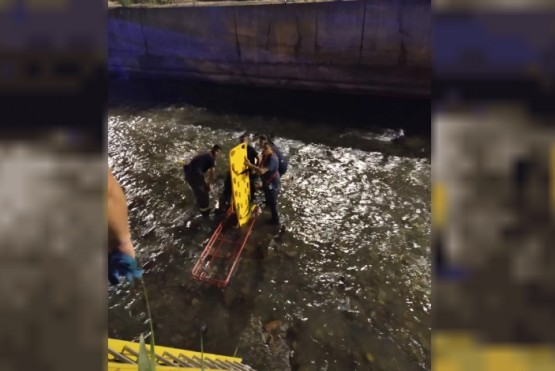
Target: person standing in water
{"type": "Point", "coordinates": [269, 172]}
{"type": "Point", "coordinates": [199, 173]}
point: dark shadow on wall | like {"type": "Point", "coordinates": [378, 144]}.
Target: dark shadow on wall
{"type": "Point", "coordinates": [359, 111]}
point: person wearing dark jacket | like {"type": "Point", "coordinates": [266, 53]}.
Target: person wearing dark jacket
{"type": "Point", "coordinates": [269, 172]}
{"type": "Point", "coordinates": [199, 173]}
{"type": "Point", "coordinates": [282, 160]}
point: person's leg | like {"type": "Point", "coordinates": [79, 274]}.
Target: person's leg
{"type": "Point", "coordinates": [276, 203]}
{"type": "Point", "coordinates": [271, 200]}
{"type": "Point", "coordinates": [204, 199]}
{"type": "Point", "coordinates": [194, 187]}
{"type": "Point", "coordinates": [201, 194]}
{"type": "Point", "coordinates": [267, 196]}
{"type": "Point", "coordinates": [252, 181]}
{"type": "Point", "coordinates": [225, 199]}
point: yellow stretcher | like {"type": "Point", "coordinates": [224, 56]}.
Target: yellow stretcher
{"type": "Point", "coordinates": [240, 184]}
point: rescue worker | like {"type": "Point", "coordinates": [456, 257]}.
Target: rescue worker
{"type": "Point", "coordinates": [282, 160]}
{"type": "Point", "coordinates": [199, 173]}
{"type": "Point", "coordinates": [252, 155]}
{"type": "Point", "coordinates": [269, 172]}
{"type": "Point", "coordinates": [121, 253]}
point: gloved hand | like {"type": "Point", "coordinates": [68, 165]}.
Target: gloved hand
{"type": "Point", "coordinates": [122, 265]}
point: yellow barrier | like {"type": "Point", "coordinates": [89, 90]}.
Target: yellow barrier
{"type": "Point", "coordinates": [552, 178]}
{"type": "Point", "coordinates": [460, 351]}
{"type": "Point", "coordinates": [439, 205]}
{"type": "Point", "coordinates": [128, 367]}
{"type": "Point", "coordinates": [210, 360]}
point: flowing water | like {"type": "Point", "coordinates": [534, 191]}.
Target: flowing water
{"type": "Point", "coordinates": [344, 284]}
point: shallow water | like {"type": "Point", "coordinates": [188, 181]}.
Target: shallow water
{"type": "Point", "coordinates": [348, 275]}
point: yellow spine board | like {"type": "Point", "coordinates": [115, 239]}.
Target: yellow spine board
{"type": "Point", "coordinates": [240, 183]}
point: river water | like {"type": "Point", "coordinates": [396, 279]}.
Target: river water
{"type": "Point", "coordinates": [344, 284]}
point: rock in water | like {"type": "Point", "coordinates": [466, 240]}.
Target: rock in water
{"type": "Point", "coordinates": [229, 296]}
{"type": "Point", "coordinates": [291, 253]}
{"type": "Point", "coordinates": [382, 296]}
{"type": "Point", "coordinates": [262, 356]}
{"type": "Point", "coordinates": [272, 325]}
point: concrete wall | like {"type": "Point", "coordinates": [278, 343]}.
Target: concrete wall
{"type": "Point", "coordinates": [378, 46]}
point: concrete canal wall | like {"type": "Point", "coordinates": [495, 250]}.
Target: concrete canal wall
{"type": "Point", "coordinates": [372, 46]}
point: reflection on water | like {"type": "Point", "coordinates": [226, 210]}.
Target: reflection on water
{"type": "Point", "coordinates": [346, 281]}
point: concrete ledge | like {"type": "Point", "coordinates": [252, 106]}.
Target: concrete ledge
{"type": "Point", "coordinates": [197, 3]}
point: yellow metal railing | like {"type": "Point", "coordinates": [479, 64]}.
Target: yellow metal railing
{"type": "Point", "coordinates": [122, 356]}
{"type": "Point", "coordinates": [460, 351]}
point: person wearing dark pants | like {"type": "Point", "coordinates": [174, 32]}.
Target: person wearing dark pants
{"type": "Point", "coordinates": [196, 171]}
{"type": "Point", "coordinates": [269, 173]}
{"type": "Point", "coordinates": [252, 156]}
{"type": "Point", "coordinates": [282, 160]}
{"type": "Point", "coordinates": [271, 194]}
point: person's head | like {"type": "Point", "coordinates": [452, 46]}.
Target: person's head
{"type": "Point", "coordinates": [262, 140]}
{"type": "Point", "coordinates": [267, 149]}
{"type": "Point", "coordinates": [244, 138]}
{"type": "Point", "coordinates": [216, 150]}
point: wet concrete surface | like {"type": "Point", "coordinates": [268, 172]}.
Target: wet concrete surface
{"type": "Point", "coordinates": [344, 284]}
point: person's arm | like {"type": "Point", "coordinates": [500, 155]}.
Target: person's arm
{"type": "Point", "coordinates": [257, 157]}
{"type": "Point", "coordinates": [259, 170]}
{"type": "Point", "coordinates": [253, 154]}
{"type": "Point", "coordinates": [210, 177]}
{"type": "Point", "coordinates": [118, 216]}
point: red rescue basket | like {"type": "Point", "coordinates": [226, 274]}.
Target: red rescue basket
{"type": "Point", "coordinates": [220, 257]}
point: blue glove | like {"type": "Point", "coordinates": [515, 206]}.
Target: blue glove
{"type": "Point", "coordinates": [121, 265]}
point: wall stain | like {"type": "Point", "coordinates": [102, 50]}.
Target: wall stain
{"type": "Point", "coordinates": [402, 33]}
{"type": "Point", "coordinates": [361, 46]}
{"type": "Point", "coordinates": [237, 44]}
{"type": "Point", "coordinates": [143, 31]}
{"type": "Point", "coordinates": [299, 42]}
{"type": "Point", "coordinates": [316, 46]}
{"type": "Point", "coordinates": [268, 34]}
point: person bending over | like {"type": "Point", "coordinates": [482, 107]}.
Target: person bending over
{"type": "Point", "coordinates": [199, 173]}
